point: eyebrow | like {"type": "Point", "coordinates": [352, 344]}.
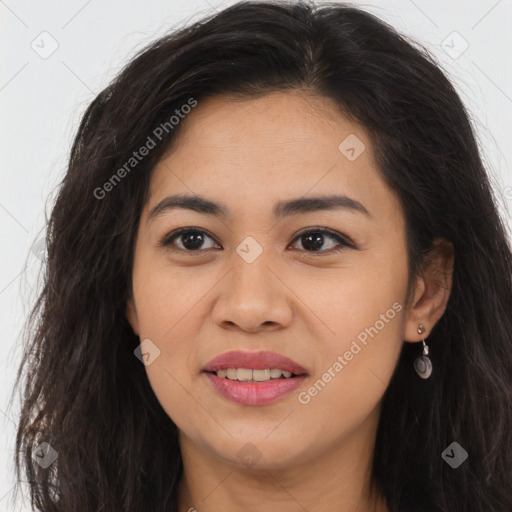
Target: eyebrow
{"type": "Point", "coordinates": [281, 209]}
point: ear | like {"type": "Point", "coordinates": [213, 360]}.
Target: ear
{"type": "Point", "coordinates": [432, 291]}
{"type": "Point", "coordinates": [131, 315]}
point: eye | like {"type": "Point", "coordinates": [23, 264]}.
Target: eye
{"type": "Point", "coordinates": [313, 239]}
{"type": "Point", "coordinates": [191, 239]}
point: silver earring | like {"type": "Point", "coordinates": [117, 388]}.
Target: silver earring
{"type": "Point", "coordinates": [423, 364]}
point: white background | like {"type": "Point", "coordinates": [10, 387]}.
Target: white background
{"type": "Point", "coordinates": [42, 99]}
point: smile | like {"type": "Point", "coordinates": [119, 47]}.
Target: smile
{"type": "Point", "coordinates": [254, 378]}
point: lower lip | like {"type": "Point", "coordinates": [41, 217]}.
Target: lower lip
{"type": "Point", "coordinates": [255, 393]}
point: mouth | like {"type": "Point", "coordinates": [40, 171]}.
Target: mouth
{"type": "Point", "coordinates": [254, 378]}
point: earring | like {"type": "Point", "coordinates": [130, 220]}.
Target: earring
{"type": "Point", "coordinates": [423, 364]}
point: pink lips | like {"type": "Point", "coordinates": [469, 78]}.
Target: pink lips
{"type": "Point", "coordinates": [254, 393]}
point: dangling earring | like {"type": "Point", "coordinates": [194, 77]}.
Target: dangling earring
{"type": "Point", "coordinates": [422, 364]}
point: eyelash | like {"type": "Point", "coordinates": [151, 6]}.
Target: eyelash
{"type": "Point", "coordinates": [170, 237]}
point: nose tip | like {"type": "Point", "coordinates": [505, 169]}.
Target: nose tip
{"type": "Point", "coordinates": [252, 299]}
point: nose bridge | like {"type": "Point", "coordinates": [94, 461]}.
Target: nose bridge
{"type": "Point", "coordinates": [251, 269]}
{"type": "Point", "coordinates": [253, 295]}
{"type": "Point", "coordinates": [252, 280]}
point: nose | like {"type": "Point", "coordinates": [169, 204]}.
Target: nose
{"type": "Point", "coordinates": [253, 297]}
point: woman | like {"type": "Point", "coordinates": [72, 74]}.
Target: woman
{"type": "Point", "coordinates": [276, 280]}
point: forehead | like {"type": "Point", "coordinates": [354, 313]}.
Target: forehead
{"type": "Point", "coordinates": [276, 121]}
{"type": "Point", "coordinates": [272, 147]}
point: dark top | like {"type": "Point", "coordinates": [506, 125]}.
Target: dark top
{"type": "Point", "coordinates": [414, 499]}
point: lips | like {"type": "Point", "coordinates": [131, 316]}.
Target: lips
{"type": "Point", "coordinates": [253, 392]}
{"type": "Point", "coordinates": [254, 360]}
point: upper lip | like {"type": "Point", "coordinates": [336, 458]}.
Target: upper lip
{"type": "Point", "coordinates": [254, 360]}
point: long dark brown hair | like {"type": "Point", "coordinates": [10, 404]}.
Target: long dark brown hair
{"type": "Point", "coordinates": [87, 395]}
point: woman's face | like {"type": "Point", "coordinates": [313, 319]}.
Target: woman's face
{"type": "Point", "coordinates": [273, 268]}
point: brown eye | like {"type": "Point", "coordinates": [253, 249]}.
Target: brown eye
{"type": "Point", "coordinates": [314, 239]}
{"type": "Point", "coordinates": [189, 239]}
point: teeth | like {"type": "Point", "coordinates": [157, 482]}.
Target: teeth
{"type": "Point", "coordinates": [260, 375]}
{"type": "Point", "coordinates": [275, 373]}
{"type": "Point", "coordinates": [249, 375]}
{"type": "Point", "coordinates": [244, 374]}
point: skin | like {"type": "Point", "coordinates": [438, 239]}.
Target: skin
{"type": "Point", "coordinates": [309, 306]}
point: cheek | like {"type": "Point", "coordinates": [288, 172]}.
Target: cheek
{"type": "Point", "coordinates": [364, 310]}
{"type": "Point", "coordinates": [164, 299]}
{"type": "Point", "coordinates": [166, 296]}
{"type": "Point", "coordinates": [167, 318]}
{"type": "Point", "coordinates": [356, 367]}
{"type": "Point", "coordinates": [353, 299]}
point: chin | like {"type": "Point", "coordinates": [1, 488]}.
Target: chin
{"type": "Point", "coordinates": [258, 453]}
